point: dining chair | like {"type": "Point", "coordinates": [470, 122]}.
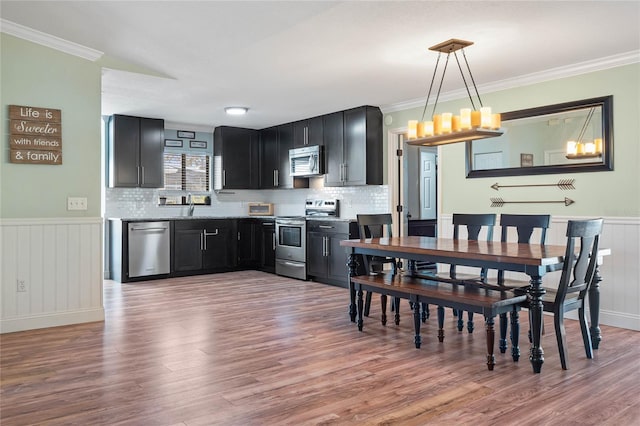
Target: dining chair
{"type": "Point", "coordinates": [580, 262]}
{"type": "Point", "coordinates": [524, 225]}
{"type": "Point", "coordinates": [474, 224]}
{"type": "Point", "coordinates": [374, 226]}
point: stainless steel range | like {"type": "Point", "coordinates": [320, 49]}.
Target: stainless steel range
{"type": "Point", "coordinates": [291, 237]}
{"type": "Point", "coordinates": [291, 246]}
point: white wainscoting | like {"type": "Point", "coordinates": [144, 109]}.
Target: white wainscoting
{"type": "Point", "coordinates": [620, 286]}
{"type": "Point", "coordinates": [60, 262]}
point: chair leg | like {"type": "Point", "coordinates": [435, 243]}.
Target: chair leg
{"type": "Point", "coordinates": [383, 303]}
{"type": "Point", "coordinates": [425, 312]}
{"type": "Point", "coordinates": [586, 335]}
{"type": "Point", "coordinates": [460, 320]}
{"type": "Point", "coordinates": [396, 303]}
{"type": "Point", "coordinates": [515, 336]}
{"type": "Point", "coordinates": [558, 322]}
{"type": "Point", "coordinates": [416, 324]}
{"type": "Point", "coordinates": [367, 304]}
{"type": "Point", "coordinates": [503, 333]}
{"type": "Point", "coordinates": [470, 322]}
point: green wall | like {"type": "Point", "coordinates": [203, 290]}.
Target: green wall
{"type": "Point", "coordinates": [612, 193]}
{"type": "Point", "coordinates": [34, 75]}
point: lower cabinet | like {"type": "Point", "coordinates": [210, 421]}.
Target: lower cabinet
{"type": "Point", "coordinates": [202, 246]}
{"type": "Point", "coordinates": [249, 243]}
{"type": "Point", "coordinates": [268, 245]}
{"type": "Point", "coordinates": [326, 259]}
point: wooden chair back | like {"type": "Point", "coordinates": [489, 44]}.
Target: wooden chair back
{"type": "Point", "coordinates": [580, 259]}
{"type": "Point", "coordinates": [474, 224]}
{"type": "Point", "coordinates": [524, 224]}
{"type": "Point", "coordinates": [373, 225]}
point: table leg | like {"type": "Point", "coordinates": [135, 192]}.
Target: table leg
{"type": "Point", "coordinates": [360, 308]}
{"type": "Point", "coordinates": [535, 293]}
{"type": "Point", "coordinates": [594, 309]}
{"type": "Point", "coordinates": [352, 264]}
{"type": "Point", "coordinates": [491, 336]}
{"type": "Point", "coordinates": [416, 322]}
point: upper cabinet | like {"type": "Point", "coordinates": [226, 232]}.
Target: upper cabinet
{"type": "Point", "coordinates": [356, 158]}
{"type": "Point", "coordinates": [308, 132]}
{"type": "Point", "coordinates": [276, 143]}
{"type": "Point", "coordinates": [236, 153]}
{"type": "Point", "coordinates": [135, 152]}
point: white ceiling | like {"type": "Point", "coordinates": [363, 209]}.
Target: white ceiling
{"type": "Point", "coordinates": [185, 61]}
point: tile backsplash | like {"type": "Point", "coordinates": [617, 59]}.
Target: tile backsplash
{"type": "Point", "coordinates": [143, 202]}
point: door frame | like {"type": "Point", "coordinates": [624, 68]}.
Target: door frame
{"type": "Point", "coordinates": [395, 179]}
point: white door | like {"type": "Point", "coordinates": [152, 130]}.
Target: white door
{"type": "Point", "coordinates": [427, 185]}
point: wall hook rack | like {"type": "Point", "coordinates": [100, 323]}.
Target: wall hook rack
{"type": "Point", "coordinates": [499, 202]}
{"type": "Point", "coordinates": [564, 184]}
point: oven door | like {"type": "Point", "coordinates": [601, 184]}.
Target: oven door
{"type": "Point", "coordinates": [291, 239]}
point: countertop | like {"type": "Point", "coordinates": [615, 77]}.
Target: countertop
{"type": "Point", "coordinates": [159, 219]}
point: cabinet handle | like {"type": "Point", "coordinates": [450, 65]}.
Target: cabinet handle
{"type": "Point", "coordinates": [342, 172]}
{"type": "Point", "coordinates": [276, 178]}
{"type": "Point", "coordinates": [138, 175]}
{"type": "Point", "coordinates": [201, 241]}
{"type": "Point", "coordinates": [142, 173]}
{"type": "Point", "coordinates": [267, 223]}
{"type": "Point", "coordinates": [324, 246]}
{"type": "Point", "coordinates": [306, 135]}
{"type": "Point", "coordinates": [325, 227]}
{"type": "Point", "coordinates": [209, 234]}
{"type": "Point", "coordinates": [274, 241]}
{"type": "Point", "coordinates": [238, 235]}
{"type": "Point", "coordinates": [346, 172]}
{"type": "Point", "coordinates": [224, 178]}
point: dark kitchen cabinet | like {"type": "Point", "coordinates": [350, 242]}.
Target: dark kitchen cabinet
{"type": "Point", "coordinates": [308, 132]}
{"type": "Point", "coordinates": [202, 246]}
{"type": "Point", "coordinates": [268, 245]}
{"type": "Point", "coordinates": [249, 243]}
{"type": "Point", "coordinates": [275, 145]}
{"type": "Point", "coordinates": [334, 148]}
{"type": "Point", "coordinates": [326, 259]}
{"type": "Point", "coordinates": [135, 152]}
{"type": "Point", "coordinates": [359, 160]}
{"type": "Point", "coordinates": [236, 154]}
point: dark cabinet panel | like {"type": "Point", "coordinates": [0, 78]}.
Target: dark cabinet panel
{"type": "Point", "coordinates": [276, 143]}
{"type": "Point", "coordinates": [239, 153]}
{"type": "Point", "coordinates": [220, 245]}
{"type": "Point", "coordinates": [361, 150]}
{"type": "Point", "coordinates": [249, 243]}
{"type": "Point", "coordinates": [268, 246]}
{"type": "Point", "coordinates": [333, 148]}
{"type": "Point", "coordinates": [270, 159]}
{"type": "Point", "coordinates": [135, 152]}
{"type": "Point", "coordinates": [326, 259]}
{"type": "Point", "coordinates": [202, 246]}
{"type": "Point", "coordinates": [308, 132]}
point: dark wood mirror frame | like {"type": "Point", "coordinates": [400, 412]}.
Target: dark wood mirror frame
{"type": "Point", "coordinates": [605, 102]}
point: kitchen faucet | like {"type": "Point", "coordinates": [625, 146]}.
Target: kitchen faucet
{"type": "Point", "coordinates": [191, 206]}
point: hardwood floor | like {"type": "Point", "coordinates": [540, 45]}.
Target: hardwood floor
{"type": "Point", "coordinates": [250, 348]}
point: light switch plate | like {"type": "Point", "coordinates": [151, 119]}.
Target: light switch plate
{"type": "Point", "coordinates": [76, 203]}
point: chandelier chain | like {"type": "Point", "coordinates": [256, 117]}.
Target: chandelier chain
{"type": "Point", "coordinates": [440, 86]}
{"type": "Point", "coordinates": [433, 78]}
{"type": "Point", "coordinates": [472, 79]}
{"type": "Point", "coordinates": [466, 86]}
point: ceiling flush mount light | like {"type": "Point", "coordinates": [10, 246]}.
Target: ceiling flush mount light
{"type": "Point", "coordinates": [236, 110]}
{"type": "Point", "coordinates": [472, 123]}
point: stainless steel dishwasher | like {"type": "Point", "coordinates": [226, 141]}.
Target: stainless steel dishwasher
{"type": "Point", "coordinates": [149, 248]}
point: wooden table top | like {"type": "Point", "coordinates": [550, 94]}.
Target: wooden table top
{"type": "Point", "coordinates": [491, 251]}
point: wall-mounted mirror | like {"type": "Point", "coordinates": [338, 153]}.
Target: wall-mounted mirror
{"type": "Point", "coordinates": [537, 141]}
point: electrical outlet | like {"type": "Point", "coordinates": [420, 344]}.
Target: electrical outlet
{"type": "Point", "coordinates": [21, 286]}
{"type": "Point", "coordinates": [76, 203]}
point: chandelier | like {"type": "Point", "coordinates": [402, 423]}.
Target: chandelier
{"type": "Point", "coordinates": [477, 122]}
{"type": "Point", "coordinates": [579, 149]}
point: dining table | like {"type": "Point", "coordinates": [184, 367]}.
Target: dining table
{"type": "Point", "coordinates": [535, 260]}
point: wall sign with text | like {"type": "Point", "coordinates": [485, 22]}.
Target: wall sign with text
{"type": "Point", "coordinates": [35, 135]}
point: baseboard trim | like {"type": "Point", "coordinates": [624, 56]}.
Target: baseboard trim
{"type": "Point", "coordinates": [57, 319]}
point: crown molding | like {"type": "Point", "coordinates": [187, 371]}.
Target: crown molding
{"type": "Point", "coordinates": [48, 40]}
{"type": "Point", "coordinates": [600, 64]}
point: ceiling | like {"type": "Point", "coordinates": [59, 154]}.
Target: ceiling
{"type": "Point", "coordinates": [287, 60]}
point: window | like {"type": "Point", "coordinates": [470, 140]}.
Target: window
{"type": "Point", "coordinates": [186, 172]}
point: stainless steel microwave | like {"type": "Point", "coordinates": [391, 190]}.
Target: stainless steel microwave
{"type": "Point", "coordinates": [306, 161]}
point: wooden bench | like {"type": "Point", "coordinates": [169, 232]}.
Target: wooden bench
{"type": "Point", "coordinates": [470, 298]}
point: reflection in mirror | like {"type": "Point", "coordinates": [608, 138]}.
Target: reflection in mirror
{"type": "Point", "coordinates": [568, 137]}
